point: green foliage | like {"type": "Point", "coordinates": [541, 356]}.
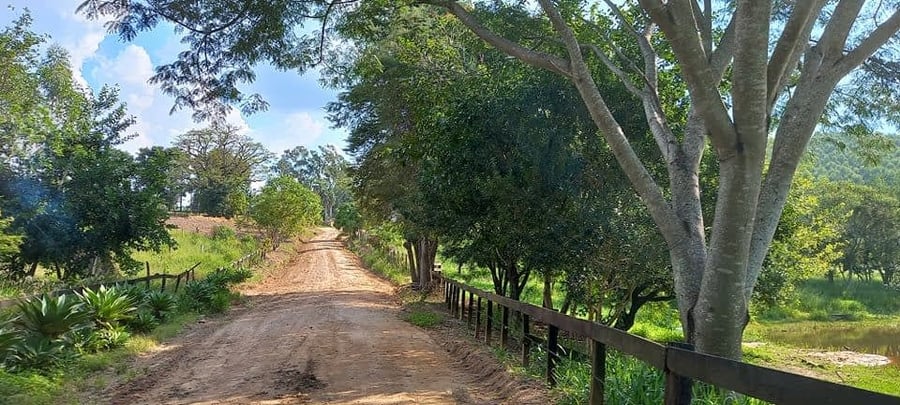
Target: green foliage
{"type": "Point", "coordinates": [9, 340]}
{"type": "Point", "coordinates": [193, 248]}
{"type": "Point", "coordinates": [144, 321]}
{"type": "Point", "coordinates": [819, 299]}
{"type": "Point", "coordinates": [160, 305]}
{"type": "Point", "coordinates": [50, 318]}
{"type": "Point", "coordinates": [39, 354]}
{"type": "Point", "coordinates": [323, 171]}
{"type": "Point", "coordinates": [9, 242]}
{"type": "Point", "coordinates": [80, 204]}
{"type": "Point", "coordinates": [107, 338]}
{"type": "Point", "coordinates": [348, 218]}
{"type": "Point", "coordinates": [223, 232]}
{"type": "Point", "coordinates": [107, 306]}
{"type": "Point", "coordinates": [424, 318]}
{"type": "Point", "coordinates": [284, 208]}
{"type": "Point", "coordinates": [212, 294]}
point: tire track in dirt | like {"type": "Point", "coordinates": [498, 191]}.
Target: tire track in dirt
{"type": "Point", "coordinates": [321, 330]}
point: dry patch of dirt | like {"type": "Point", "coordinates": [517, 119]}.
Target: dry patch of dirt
{"type": "Point", "coordinates": [318, 330]}
{"type": "Point", "coordinates": [849, 358]}
{"type": "Point", "coordinates": [199, 223]}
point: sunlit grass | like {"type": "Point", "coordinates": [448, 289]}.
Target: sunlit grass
{"type": "Point", "coordinates": [193, 248]}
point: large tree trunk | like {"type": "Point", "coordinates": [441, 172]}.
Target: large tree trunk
{"type": "Point", "coordinates": [427, 250]}
{"type": "Point", "coordinates": [548, 290]}
{"type": "Point", "coordinates": [411, 260]}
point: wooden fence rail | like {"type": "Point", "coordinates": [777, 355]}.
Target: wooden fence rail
{"type": "Point", "coordinates": [250, 259]}
{"type": "Point", "coordinates": [678, 362]}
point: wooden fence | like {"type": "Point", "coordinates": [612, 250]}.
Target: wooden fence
{"type": "Point", "coordinates": [190, 274]}
{"type": "Point", "coordinates": [678, 362]}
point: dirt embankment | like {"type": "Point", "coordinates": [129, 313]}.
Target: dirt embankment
{"type": "Point", "coordinates": [318, 330]}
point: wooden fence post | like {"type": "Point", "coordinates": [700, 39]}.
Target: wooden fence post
{"type": "Point", "coordinates": [163, 288]}
{"type": "Point", "coordinates": [504, 328]}
{"type": "Point", "coordinates": [678, 388]}
{"type": "Point", "coordinates": [460, 298]}
{"type": "Point", "coordinates": [552, 349]}
{"type": "Point", "coordinates": [598, 373]}
{"type": "Point", "coordinates": [478, 317]}
{"type": "Point", "coordinates": [177, 282]}
{"type": "Point", "coordinates": [148, 274]}
{"type": "Point", "coordinates": [447, 290]}
{"type": "Point", "coordinates": [526, 341]}
{"type": "Point", "coordinates": [462, 305]}
{"type": "Point", "coordinates": [488, 321]}
{"type": "Point", "coordinates": [471, 301]}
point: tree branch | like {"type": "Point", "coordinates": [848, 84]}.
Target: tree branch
{"type": "Point", "coordinates": [880, 36]}
{"type": "Point", "coordinates": [721, 56]}
{"type": "Point", "coordinates": [676, 20]}
{"type": "Point", "coordinates": [529, 56]}
{"type": "Point", "coordinates": [838, 29]}
{"type": "Point", "coordinates": [790, 45]}
{"type": "Point", "coordinates": [634, 169]}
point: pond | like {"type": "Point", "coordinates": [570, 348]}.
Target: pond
{"type": "Point", "coordinates": [863, 338]}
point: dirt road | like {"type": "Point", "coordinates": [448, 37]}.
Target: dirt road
{"type": "Point", "coordinates": [321, 330]}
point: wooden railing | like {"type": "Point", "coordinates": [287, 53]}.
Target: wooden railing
{"type": "Point", "coordinates": [678, 362]}
{"type": "Point", "coordinates": [183, 277]}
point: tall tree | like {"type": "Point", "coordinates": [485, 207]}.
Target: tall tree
{"type": "Point", "coordinates": [323, 171]}
{"type": "Point", "coordinates": [284, 208]}
{"type": "Point", "coordinates": [222, 163]}
{"type": "Point", "coordinates": [740, 93]}
{"type": "Point", "coordinates": [80, 205]}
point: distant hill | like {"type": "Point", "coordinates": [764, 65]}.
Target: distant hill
{"type": "Point", "coordinates": [854, 164]}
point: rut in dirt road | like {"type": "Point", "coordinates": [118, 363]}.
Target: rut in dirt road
{"type": "Point", "coordinates": [321, 330]}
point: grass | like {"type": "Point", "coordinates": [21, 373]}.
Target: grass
{"type": "Point", "coordinates": [424, 318]}
{"type": "Point", "coordinates": [91, 371]}
{"type": "Point", "coordinates": [381, 263]}
{"type": "Point", "coordinates": [859, 305]}
{"type": "Point", "coordinates": [819, 300]}
{"type": "Point", "coordinates": [61, 385]}
{"type": "Point", "coordinates": [192, 248]}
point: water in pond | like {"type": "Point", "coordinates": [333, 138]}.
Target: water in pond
{"type": "Point", "coordinates": [863, 338]}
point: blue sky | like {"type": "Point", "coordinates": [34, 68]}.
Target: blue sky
{"type": "Point", "coordinates": [296, 113]}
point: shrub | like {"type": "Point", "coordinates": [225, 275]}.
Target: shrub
{"type": "Point", "coordinates": [107, 306]}
{"type": "Point", "coordinates": [9, 339]}
{"type": "Point", "coordinates": [109, 338]}
{"type": "Point", "coordinates": [205, 296]}
{"type": "Point", "coordinates": [160, 305]}
{"type": "Point", "coordinates": [50, 318]}
{"type": "Point", "coordinates": [222, 232]}
{"type": "Point", "coordinates": [143, 322]}
{"type": "Point", "coordinates": [38, 353]}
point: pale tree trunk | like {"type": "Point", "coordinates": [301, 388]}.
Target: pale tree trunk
{"type": "Point", "coordinates": [714, 281]}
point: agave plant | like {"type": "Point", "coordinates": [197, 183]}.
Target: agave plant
{"type": "Point", "coordinates": [160, 304]}
{"type": "Point", "coordinates": [107, 306]}
{"type": "Point", "coordinates": [38, 353]}
{"type": "Point", "coordinates": [50, 318]}
{"type": "Point", "coordinates": [9, 338]}
{"type": "Point", "coordinates": [143, 322]}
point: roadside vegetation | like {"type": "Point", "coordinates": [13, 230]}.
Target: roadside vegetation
{"type": "Point", "coordinates": [51, 345]}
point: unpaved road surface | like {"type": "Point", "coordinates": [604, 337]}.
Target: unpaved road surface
{"type": "Point", "coordinates": [320, 330]}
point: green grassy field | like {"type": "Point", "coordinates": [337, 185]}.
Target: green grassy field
{"type": "Point", "coordinates": [211, 252]}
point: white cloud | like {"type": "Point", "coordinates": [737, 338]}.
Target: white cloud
{"type": "Point", "coordinates": [132, 70]}
{"type": "Point", "coordinates": [80, 36]}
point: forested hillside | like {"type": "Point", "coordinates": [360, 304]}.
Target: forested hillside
{"type": "Point", "coordinates": [837, 161]}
